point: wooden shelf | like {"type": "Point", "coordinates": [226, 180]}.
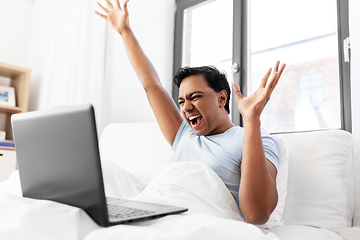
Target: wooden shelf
{"type": "Point", "coordinates": [20, 81]}
{"type": "Point", "coordinates": [7, 148]}
{"type": "Point", "coordinates": [11, 110]}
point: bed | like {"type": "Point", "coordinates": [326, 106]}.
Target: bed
{"type": "Point", "coordinates": [146, 173]}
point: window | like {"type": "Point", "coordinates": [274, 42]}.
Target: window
{"type": "Point", "coordinates": [245, 38]}
{"type": "Point", "coordinates": [207, 39]}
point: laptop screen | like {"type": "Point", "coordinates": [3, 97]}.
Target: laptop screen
{"type": "Point", "coordinates": [58, 158]}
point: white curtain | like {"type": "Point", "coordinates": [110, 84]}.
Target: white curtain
{"type": "Point", "coordinates": [66, 54]}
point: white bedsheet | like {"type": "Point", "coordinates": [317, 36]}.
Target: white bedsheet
{"type": "Point", "coordinates": [212, 211]}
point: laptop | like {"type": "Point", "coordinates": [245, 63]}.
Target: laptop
{"type": "Point", "coordinates": [58, 159]}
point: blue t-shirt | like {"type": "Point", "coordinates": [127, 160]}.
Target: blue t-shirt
{"type": "Point", "coordinates": [221, 152]}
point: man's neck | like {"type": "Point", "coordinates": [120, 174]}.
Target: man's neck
{"type": "Point", "coordinates": [225, 124]}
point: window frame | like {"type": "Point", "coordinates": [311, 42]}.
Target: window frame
{"type": "Point", "coordinates": [240, 54]}
{"type": "Point", "coordinates": [344, 67]}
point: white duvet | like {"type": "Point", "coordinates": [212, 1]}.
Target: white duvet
{"type": "Point", "coordinates": [212, 214]}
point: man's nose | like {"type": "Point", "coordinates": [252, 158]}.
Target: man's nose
{"type": "Point", "coordinates": [187, 106]}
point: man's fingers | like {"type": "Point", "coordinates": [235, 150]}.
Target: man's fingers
{"type": "Point", "coordinates": [125, 6]}
{"type": "Point", "coordinates": [281, 69]}
{"type": "Point", "coordinates": [272, 84]}
{"type": "Point", "coordinates": [276, 71]}
{"type": "Point", "coordinates": [236, 88]}
{"type": "Point", "coordinates": [101, 15]}
{"type": "Point", "coordinates": [125, 3]}
{"type": "Point", "coordinates": [265, 78]}
{"type": "Point", "coordinates": [276, 67]}
{"type": "Point", "coordinates": [273, 81]}
{"type": "Point", "coordinates": [103, 8]}
{"type": "Point", "coordinates": [109, 4]}
{"type": "Point", "coordinates": [117, 4]}
{"type": "Point", "coordinates": [237, 91]}
{"type": "Point", "coordinates": [278, 74]}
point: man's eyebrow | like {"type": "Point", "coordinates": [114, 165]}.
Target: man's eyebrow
{"type": "Point", "coordinates": [195, 93]}
{"type": "Point", "coordinates": [190, 94]}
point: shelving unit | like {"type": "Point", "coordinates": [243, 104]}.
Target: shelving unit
{"type": "Point", "coordinates": [20, 81]}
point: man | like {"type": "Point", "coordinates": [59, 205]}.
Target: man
{"type": "Point", "coordinates": [203, 131]}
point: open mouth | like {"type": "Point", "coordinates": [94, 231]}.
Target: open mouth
{"type": "Point", "coordinates": [195, 120]}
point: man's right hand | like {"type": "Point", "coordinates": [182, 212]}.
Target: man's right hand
{"type": "Point", "coordinates": [117, 16]}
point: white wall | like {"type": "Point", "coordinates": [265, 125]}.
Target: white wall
{"type": "Point", "coordinates": [15, 22]}
{"type": "Point", "coordinates": [13, 32]}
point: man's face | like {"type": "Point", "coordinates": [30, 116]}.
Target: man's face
{"type": "Point", "coordinates": [200, 105]}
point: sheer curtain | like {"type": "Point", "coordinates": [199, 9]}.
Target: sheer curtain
{"type": "Point", "coordinates": [66, 55]}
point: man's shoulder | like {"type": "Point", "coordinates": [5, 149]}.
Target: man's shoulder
{"type": "Point", "coordinates": [184, 132]}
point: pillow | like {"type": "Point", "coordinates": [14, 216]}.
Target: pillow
{"type": "Point", "coordinates": [321, 179]}
{"type": "Point", "coordinates": [128, 146]}
{"type": "Point", "coordinates": [276, 217]}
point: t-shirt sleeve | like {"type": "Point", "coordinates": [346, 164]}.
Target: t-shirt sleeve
{"type": "Point", "coordinates": [270, 147]}
{"type": "Point", "coordinates": [179, 134]}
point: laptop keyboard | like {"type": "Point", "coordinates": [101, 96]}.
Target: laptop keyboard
{"type": "Point", "coordinates": [120, 212]}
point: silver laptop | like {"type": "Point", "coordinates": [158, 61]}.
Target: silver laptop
{"type": "Point", "coordinates": [58, 159]}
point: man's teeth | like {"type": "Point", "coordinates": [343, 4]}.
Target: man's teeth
{"type": "Point", "coordinates": [193, 117]}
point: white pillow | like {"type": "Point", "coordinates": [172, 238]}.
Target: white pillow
{"type": "Point", "coordinates": [128, 146]}
{"type": "Point", "coordinates": [276, 217]}
{"type": "Point", "coordinates": [321, 180]}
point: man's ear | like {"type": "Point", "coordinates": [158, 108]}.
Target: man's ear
{"type": "Point", "coordinates": [222, 98]}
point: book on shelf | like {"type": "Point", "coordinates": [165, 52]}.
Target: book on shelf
{"type": "Point", "coordinates": [7, 143]}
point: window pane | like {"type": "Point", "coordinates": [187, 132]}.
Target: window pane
{"type": "Point", "coordinates": [302, 34]}
{"type": "Point", "coordinates": [207, 35]}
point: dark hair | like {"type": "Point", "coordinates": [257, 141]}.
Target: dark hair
{"type": "Point", "coordinates": [216, 79]}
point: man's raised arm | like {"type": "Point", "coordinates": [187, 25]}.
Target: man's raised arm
{"type": "Point", "coordinates": [257, 192]}
{"type": "Point", "coordinates": [163, 106]}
